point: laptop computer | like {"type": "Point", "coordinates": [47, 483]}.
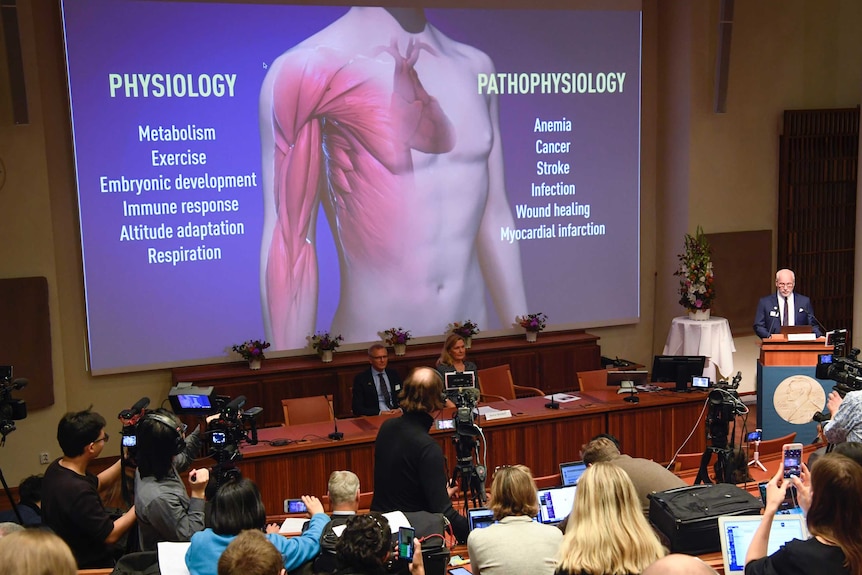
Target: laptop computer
{"type": "Point", "coordinates": [479, 517]}
{"type": "Point", "coordinates": [736, 532]}
{"type": "Point", "coordinates": [555, 504]}
{"type": "Point", "coordinates": [570, 472]}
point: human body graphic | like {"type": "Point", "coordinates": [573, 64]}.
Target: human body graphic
{"type": "Point", "coordinates": [377, 118]}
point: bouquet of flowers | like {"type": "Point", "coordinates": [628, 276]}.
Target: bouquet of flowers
{"type": "Point", "coordinates": [532, 321]}
{"type": "Point", "coordinates": [323, 341]}
{"type": "Point", "coordinates": [251, 349]}
{"type": "Point", "coordinates": [695, 273]}
{"type": "Point", "coordinates": [397, 335]}
{"type": "Point", "coordinates": [464, 329]}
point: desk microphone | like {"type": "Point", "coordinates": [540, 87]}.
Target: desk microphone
{"type": "Point", "coordinates": [336, 435]}
{"type": "Point", "coordinates": [817, 321]}
{"type": "Point", "coordinates": [771, 324]}
{"type": "Point", "coordinates": [553, 404]}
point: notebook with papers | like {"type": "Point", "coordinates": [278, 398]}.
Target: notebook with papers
{"type": "Point", "coordinates": [736, 531]}
{"type": "Point", "coordinates": [555, 504]}
{"type": "Point", "coordinates": [570, 472]}
{"type": "Point", "coordinates": [479, 517]}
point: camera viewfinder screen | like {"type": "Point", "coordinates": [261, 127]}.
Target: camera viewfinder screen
{"type": "Point", "coordinates": [190, 401]}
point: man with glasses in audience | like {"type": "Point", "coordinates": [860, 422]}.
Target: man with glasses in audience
{"type": "Point", "coordinates": [784, 308]}
{"type": "Point", "coordinates": [71, 502]}
{"type": "Point", "coordinates": [376, 389]}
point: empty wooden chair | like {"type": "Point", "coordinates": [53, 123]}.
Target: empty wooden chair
{"type": "Point", "coordinates": [314, 409]}
{"type": "Point", "coordinates": [496, 383]}
{"type": "Point", "coordinates": [594, 380]}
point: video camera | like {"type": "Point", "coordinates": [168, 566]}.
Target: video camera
{"type": "Point", "coordinates": [846, 372]}
{"type": "Point", "coordinates": [11, 410]}
{"type": "Point", "coordinates": [724, 405]}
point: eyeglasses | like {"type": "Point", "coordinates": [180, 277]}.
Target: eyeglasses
{"type": "Point", "coordinates": [103, 438]}
{"type": "Point", "coordinates": [785, 285]}
{"type": "Point", "coordinates": [379, 357]}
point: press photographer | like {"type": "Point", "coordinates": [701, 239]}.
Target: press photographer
{"type": "Point", "coordinates": [844, 403]}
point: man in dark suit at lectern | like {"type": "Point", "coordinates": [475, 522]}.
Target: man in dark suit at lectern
{"type": "Point", "coordinates": [376, 389]}
{"type": "Point", "coordinates": [784, 308]}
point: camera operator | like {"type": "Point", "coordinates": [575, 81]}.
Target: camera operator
{"type": "Point", "coordinates": [165, 511]}
{"type": "Point", "coordinates": [409, 468]}
{"type": "Point", "coordinates": [846, 421]}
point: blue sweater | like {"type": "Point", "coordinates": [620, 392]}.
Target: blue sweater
{"type": "Point", "coordinates": [207, 546]}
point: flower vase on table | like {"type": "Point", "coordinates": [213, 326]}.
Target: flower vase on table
{"type": "Point", "coordinates": [252, 351]}
{"type": "Point", "coordinates": [699, 314]}
{"type": "Point", "coordinates": [397, 337]}
{"type": "Point", "coordinates": [400, 348]}
{"type": "Point", "coordinates": [533, 323]}
{"type": "Point", "coordinates": [532, 336]}
{"type": "Point", "coordinates": [468, 342]}
{"type": "Point", "coordinates": [254, 363]}
{"type": "Point", "coordinates": [326, 356]}
{"type": "Point", "coordinates": [324, 344]}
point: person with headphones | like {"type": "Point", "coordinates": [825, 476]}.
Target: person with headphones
{"type": "Point", "coordinates": [165, 511]}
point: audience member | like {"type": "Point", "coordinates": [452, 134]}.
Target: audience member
{"type": "Point", "coordinates": [453, 356]}
{"type": "Point", "coordinates": [164, 509]}
{"type": "Point", "coordinates": [237, 506]}
{"type": "Point", "coordinates": [679, 564]}
{"type": "Point", "coordinates": [8, 527]}
{"type": "Point", "coordinates": [71, 505]}
{"type": "Point", "coordinates": [646, 475]}
{"type": "Point", "coordinates": [499, 548]}
{"type": "Point", "coordinates": [343, 493]}
{"type": "Point", "coordinates": [607, 530]}
{"type": "Point", "coordinates": [366, 544]}
{"type": "Point", "coordinates": [35, 552]}
{"type": "Point", "coordinates": [845, 423]}
{"type": "Point", "coordinates": [29, 503]}
{"type": "Point", "coordinates": [833, 516]}
{"type": "Point", "coordinates": [250, 553]}
{"type": "Point", "coordinates": [376, 389]}
{"type": "Point", "coordinates": [409, 469]}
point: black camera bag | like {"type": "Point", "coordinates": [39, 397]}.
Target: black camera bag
{"type": "Point", "coordinates": [688, 516]}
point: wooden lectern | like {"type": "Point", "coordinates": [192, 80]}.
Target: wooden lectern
{"type": "Point", "coordinates": [788, 367]}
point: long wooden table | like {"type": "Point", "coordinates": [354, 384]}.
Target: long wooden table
{"type": "Point", "coordinates": [535, 436]}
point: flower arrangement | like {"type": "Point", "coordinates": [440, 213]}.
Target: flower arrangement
{"type": "Point", "coordinates": [464, 329]}
{"type": "Point", "coordinates": [251, 349]}
{"type": "Point", "coordinates": [532, 321]}
{"type": "Point", "coordinates": [397, 335]}
{"type": "Point", "coordinates": [323, 341]}
{"type": "Point", "coordinates": [695, 273]}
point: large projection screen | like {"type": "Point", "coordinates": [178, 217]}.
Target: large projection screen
{"type": "Point", "coordinates": [270, 170]}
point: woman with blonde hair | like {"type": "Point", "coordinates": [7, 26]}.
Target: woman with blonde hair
{"type": "Point", "coordinates": [453, 356]}
{"type": "Point", "coordinates": [500, 548]}
{"type": "Point", "coordinates": [607, 533]}
{"type": "Point", "coordinates": [35, 552]}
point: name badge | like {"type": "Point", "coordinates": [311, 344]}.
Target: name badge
{"type": "Point", "coordinates": [773, 313]}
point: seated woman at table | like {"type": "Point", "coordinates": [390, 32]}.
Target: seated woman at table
{"type": "Point", "coordinates": [834, 516]}
{"type": "Point", "coordinates": [237, 506]}
{"type": "Point", "coordinates": [364, 547]}
{"type": "Point", "coordinates": [500, 548]}
{"type": "Point", "coordinates": [607, 532]}
{"type": "Point", "coordinates": [452, 358]}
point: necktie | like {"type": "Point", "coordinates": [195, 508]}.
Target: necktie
{"type": "Point", "coordinates": [786, 314]}
{"type": "Point", "coordinates": [384, 389]}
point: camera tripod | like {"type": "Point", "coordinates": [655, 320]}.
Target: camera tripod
{"type": "Point", "coordinates": [756, 458]}
{"type": "Point", "coordinates": [472, 476]}
{"type": "Point", "coordinates": [724, 465]}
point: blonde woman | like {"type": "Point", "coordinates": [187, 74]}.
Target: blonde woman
{"type": "Point", "coordinates": [453, 356]}
{"type": "Point", "coordinates": [607, 533]}
{"type": "Point", "coordinates": [516, 544]}
{"type": "Point", "coordinates": [35, 552]}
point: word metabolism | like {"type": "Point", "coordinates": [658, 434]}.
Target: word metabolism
{"type": "Point", "coordinates": [172, 85]}
{"type": "Point", "coordinates": [506, 83]}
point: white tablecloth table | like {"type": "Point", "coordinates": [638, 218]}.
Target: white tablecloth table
{"type": "Point", "coordinates": [710, 337]}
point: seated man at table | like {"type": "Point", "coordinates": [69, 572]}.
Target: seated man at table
{"type": "Point", "coordinates": [784, 308]}
{"type": "Point", "coordinates": [409, 468]}
{"type": "Point", "coordinates": [376, 389]}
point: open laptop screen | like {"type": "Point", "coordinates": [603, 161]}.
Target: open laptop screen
{"type": "Point", "coordinates": [555, 504]}
{"type": "Point", "coordinates": [480, 517]}
{"type": "Point", "coordinates": [570, 472]}
{"type": "Point", "coordinates": [736, 532]}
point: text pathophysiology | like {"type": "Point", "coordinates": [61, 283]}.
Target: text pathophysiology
{"type": "Point", "coordinates": [503, 83]}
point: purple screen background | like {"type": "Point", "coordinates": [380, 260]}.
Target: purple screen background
{"type": "Point", "coordinates": [141, 314]}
